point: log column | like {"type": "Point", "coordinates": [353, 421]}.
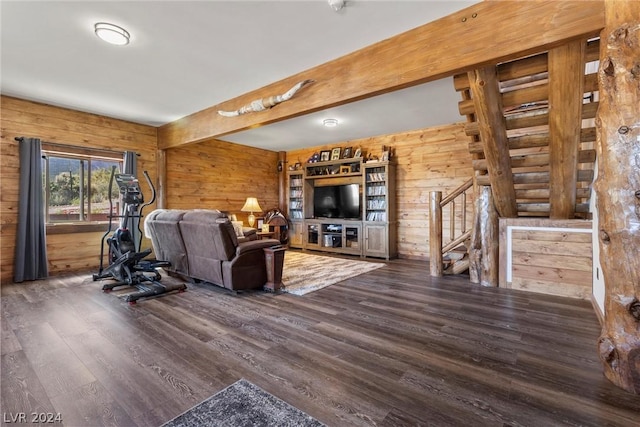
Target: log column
{"type": "Point", "coordinates": [282, 181]}
{"type": "Point", "coordinates": [161, 193]}
{"type": "Point", "coordinates": [618, 192]}
{"type": "Point", "coordinates": [485, 242]}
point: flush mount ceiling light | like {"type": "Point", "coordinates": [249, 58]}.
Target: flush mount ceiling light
{"type": "Point", "coordinates": [112, 33]}
{"type": "Point", "coordinates": [336, 5]}
{"type": "Point", "coordinates": [330, 123]}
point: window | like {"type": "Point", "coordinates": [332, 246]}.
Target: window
{"type": "Point", "coordinates": [76, 186]}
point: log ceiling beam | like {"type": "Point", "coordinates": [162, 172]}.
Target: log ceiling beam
{"type": "Point", "coordinates": [566, 90]}
{"type": "Point", "coordinates": [485, 33]}
{"type": "Point", "coordinates": [485, 91]}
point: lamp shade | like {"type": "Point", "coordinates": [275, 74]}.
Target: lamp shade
{"type": "Point", "coordinates": [251, 205]}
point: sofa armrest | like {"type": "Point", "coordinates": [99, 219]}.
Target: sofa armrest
{"type": "Point", "coordinates": [253, 245]}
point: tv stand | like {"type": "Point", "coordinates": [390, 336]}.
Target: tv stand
{"type": "Point", "coordinates": [371, 235]}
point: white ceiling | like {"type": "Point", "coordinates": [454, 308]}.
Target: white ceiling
{"type": "Point", "coordinates": [186, 56]}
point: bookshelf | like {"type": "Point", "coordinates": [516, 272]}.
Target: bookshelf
{"type": "Point", "coordinates": [372, 235]}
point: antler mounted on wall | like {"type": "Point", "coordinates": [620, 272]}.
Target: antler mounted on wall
{"type": "Point", "coordinates": [266, 103]}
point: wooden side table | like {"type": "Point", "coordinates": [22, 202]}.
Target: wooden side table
{"type": "Point", "coordinates": [274, 259]}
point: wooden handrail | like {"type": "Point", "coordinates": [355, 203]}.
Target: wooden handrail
{"type": "Point", "coordinates": [436, 204]}
{"type": "Point", "coordinates": [455, 193]}
{"type": "Point", "coordinates": [454, 243]}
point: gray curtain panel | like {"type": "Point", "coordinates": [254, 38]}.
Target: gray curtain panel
{"type": "Point", "coordinates": [131, 167]}
{"type": "Point", "coordinates": [31, 244]}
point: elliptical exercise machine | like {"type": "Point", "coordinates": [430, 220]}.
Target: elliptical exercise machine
{"type": "Point", "coordinates": [126, 262]}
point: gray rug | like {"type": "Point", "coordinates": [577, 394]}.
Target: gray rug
{"type": "Point", "coordinates": [243, 404]}
{"type": "Point", "coordinates": [304, 273]}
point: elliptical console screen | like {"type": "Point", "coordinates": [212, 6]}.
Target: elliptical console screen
{"type": "Point", "coordinates": [129, 188]}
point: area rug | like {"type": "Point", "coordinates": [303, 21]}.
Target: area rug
{"type": "Point", "coordinates": [243, 404]}
{"type": "Point", "coordinates": [304, 273]}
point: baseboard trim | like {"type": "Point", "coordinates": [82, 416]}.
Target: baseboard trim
{"type": "Point", "coordinates": [596, 308]}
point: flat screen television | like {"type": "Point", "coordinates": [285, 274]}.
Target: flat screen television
{"type": "Point", "coordinates": [337, 201]}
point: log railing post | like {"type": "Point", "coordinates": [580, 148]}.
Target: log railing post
{"type": "Point", "coordinates": [435, 234]}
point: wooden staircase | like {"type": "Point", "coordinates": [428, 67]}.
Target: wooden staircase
{"type": "Point", "coordinates": [450, 257]}
{"type": "Point", "coordinates": [532, 127]}
{"type": "Point", "coordinates": [532, 130]}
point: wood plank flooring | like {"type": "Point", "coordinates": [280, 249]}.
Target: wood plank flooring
{"type": "Point", "coordinates": [393, 347]}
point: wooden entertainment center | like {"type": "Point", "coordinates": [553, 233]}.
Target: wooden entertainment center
{"type": "Point", "coordinates": [372, 234]}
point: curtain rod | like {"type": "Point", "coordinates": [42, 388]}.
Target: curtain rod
{"type": "Point", "coordinates": [56, 144]}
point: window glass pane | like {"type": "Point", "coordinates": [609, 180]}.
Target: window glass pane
{"type": "Point", "coordinates": [64, 189]}
{"type": "Point", "coordinates": [78, 189]}
{"type": "Point", "coordinates": [100, 176]}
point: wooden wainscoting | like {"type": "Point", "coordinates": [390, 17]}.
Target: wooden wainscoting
{"type": "Point", "coordinates": [547, 256]}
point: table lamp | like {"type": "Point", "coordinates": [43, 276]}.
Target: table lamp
{"type": "Point", "coordinates": [251, 206]}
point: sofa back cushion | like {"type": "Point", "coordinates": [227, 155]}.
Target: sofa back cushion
{"type": "Point", "coordinates": [209, 239]}
{"type": "Point", "coordinates": [161, 226]}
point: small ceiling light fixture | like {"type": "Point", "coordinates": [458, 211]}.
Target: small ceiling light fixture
{"type": "Point", "coordinates": [112, 33]}
{"type": "Point", "coordinates": [330, 123]}
{"type": "Point", "coordinates": [336, 5]}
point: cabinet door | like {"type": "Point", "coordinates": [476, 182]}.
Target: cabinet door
{"type": "Point", "coordinates": [375, 241]}
{"type": "Point", "coordinates": [296, 234]}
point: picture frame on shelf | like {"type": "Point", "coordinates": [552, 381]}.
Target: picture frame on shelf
{"type": "Point", "coordinates": [345, 169]}
{"type": "Point", "coordinates": [346, 154]}
{"type": "Point", "coordinates": [325, 155]}
{"type": "Point", "coordinates": [358, 153]}
{"type": "Point", "coordinates": [335, 153]}
{"type": "Point", "coordinates": [385, 156]}
{"type": "Point", "coordinates": [259, 223]}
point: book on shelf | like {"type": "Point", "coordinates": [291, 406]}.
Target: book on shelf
{"type": "Point", "coordinates": [376, 191]}
{"type": "Point", "coordinates": [376, 216]}
{"type": "Point", "coordinates": [376, 177]}
{"type": "Point", "coordinates": [376, 204]}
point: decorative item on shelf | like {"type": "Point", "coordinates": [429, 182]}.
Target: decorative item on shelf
{"type": "Point", "coordinates": [347, 153]}
{"type": "Point", "coordinates": [264, 227]}
{"type": "Point", "coordinates": [371, 158]}
{"type": "Point", "coordinates": [358, 153]}
{"type": "Point", "coordinates": [335, 153]}
{"type": "Point", "coordinates": [385, 156]}
{"type": "Point", "coordinates": [314, 158]}
{"type": "Point", "coordinates": [259, 223]}
{"type": "Point", "coordinates": [297, 166]}
{"type": "Point", "coordinates": [266, 103]}
{"type": "Point", "coordinates": [251, 206]}
{"type": "Point", "coordinates": [345, 169]}
{"type": "Point", "coordinates": [325, 155]}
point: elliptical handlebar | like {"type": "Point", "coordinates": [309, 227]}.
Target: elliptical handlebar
{"type": "Point", "coordinates": [153, 199]}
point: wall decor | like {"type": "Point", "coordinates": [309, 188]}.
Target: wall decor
{"type": "Point", "coordinates": [347, 153]}
{"type": "Point", "coordinates": [325, 155]}
{"type": "Point", "coordinates": [266, 103]}
{"type": "Point", "coordinates": [335, 153]}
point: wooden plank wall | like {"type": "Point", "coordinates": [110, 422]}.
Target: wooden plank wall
{"type": "Point", "coordinates": [427, 160]}
{"type": "Point", "coordinates": [221, 175]}
{"type": "Point", "coordinates": [547, 256]}
{"type": "Point", "coordinates": [214, 174]}
{"type": "Point", "coordinates": [66, 252]}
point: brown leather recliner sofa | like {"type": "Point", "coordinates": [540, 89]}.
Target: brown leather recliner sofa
{"type": "Point", "coordinates": [202, 244]}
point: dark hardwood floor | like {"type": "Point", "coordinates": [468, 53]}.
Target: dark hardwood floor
{"type": "Point", "coordinates": [390, 347]}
